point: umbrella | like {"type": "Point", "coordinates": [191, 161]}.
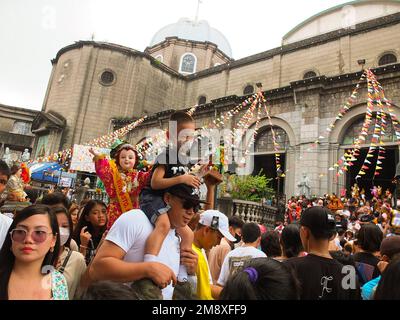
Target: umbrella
{"type": "Point", "coordinates": [46, 172]}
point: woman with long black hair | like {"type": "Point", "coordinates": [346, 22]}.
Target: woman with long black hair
{"type": "Point", "coordinates": [291, 242]}
{"type": "Point", "coordinates": [91, 227]}
{"type": "Point", "coordinates": [29, 255]}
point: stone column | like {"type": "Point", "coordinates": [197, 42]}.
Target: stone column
{"type": "Point", "coordinates": [290, 179]}
{"type": "Point", "coordinates": [333, 158]}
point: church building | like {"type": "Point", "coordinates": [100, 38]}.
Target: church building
{"type": "Point", "coordinates": [97, 87]}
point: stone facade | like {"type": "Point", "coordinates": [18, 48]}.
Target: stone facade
{"type": "Point", "coordinates": [304, 112]}
{"type": "Point", "coordinates": [15, 130]}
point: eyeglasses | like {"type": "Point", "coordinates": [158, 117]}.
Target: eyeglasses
{"type": "Point", "coordinates": [188, 204]}
{"type": "Point", "coordinates": [19, 235]}
{"type": "Point", "coordinates": [3, 181]}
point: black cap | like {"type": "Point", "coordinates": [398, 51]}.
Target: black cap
{"type": "Point", "coordinates": [186, 192]}
{"type": "Point", "coordinates": [365, 218]}
{"type": "Point", "coordinates": [320, 221]}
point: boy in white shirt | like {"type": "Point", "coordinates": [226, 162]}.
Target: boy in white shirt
{"type": "Point", "coordinates": [251, 237]}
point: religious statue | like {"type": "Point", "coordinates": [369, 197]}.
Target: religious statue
{"type": "Point", "coordinates": [15, 187]}
{"type": "Point", "coordinates": [25, 156]}
{"type": "Point", "coordinates": [379, 191]}
{"type": "Point", "coordinates": [7, 157]}
{"type": "Point", "coordinates": [388, 194]}
{"type": "Point", "coordinates": [335, 203]}
{"type": "Point", "coordinates": [305, 186]}
{"type": "Point", "coordinates": [81, 191]}
{"type": "Point", "coordinates": [374, 192]}
{"type": "Point", "coordinates": [355, 191]}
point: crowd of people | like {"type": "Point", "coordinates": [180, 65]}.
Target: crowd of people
{"type": "Point", "coordinates": [156, 239]}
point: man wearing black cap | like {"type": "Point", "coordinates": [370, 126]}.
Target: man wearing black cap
{"type": "Point", "coordinates": [321, 277]}
{"type": "Point", "coordinates": [121, 256]}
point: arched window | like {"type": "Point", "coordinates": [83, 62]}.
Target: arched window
{"type": "Point", "coordinates": [159, 58]}
{"type": "Point", "coordinates": [354, 130]}
{"type": "Point", "coordinates": [249, 89]}
{"type": "Point", "coordinates": [265, 141]}
{"type": "Point", "coordinates": [309, 74]}
{"type": "Point", "coordinates": [188, 63]}
{"type": "Point", "coordinates": [387, 59]}
{"type": "Point", "coordinates": [202, 100]}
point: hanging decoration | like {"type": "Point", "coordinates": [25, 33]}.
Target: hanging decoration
{"type": "Point", "coordinates": [379, 105]}
{"type": "Point", "coordinates": [274, 140]}
{"type": "Point", "coordinates": [64, 157]}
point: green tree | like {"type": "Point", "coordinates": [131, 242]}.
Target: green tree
{"type": "Point", "coordinates": [252, 188]}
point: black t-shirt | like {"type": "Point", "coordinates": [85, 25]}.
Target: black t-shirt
{"type": "Point", "coordinates": [367, 266]}
{"type": "Point", "coordinates": [170, 159]}
{"type": "Point", "coordinates": [321, 279]}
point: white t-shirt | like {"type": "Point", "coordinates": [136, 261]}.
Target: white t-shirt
{"type": "Point", "coordinates": [235, 259]}
{"type": "Point", "coordinates": [130, 232]}
{"type": "Point", "coordinates": [5, 223]}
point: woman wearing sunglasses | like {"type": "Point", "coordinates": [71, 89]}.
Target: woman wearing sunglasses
{"type": "Point", "coordinates": [28, 258]}
{"type": "Point", "coordinates": [70, 263]}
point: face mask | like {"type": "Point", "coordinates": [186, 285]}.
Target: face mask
{"type": "Point", "coordinates": [64, 235]}
{"type": "Point", "coordinates": [238, 238]}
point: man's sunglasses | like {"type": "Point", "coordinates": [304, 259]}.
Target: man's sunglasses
{"type": "Point", "coordinates": [3, 181]}
{"type": "Point", "coordinates": [19, 235]}
{"type": "Point", "coordinates": [188, 204]}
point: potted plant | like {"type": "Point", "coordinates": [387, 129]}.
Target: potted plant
{"type": "Point", "coordinates": [250, 188]}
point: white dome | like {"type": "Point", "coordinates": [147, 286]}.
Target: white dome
{"type": "Point", "coordinates": [190, 30]}
{"type": "Point", "coordinates": [342, 16]}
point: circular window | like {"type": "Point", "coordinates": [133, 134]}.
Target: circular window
{"type": "Point", "coordinates": [107, 78]}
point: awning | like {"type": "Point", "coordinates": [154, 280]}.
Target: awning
{"type": "Point", "coordinates": [45, 172]}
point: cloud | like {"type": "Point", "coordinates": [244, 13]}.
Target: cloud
{"type": "Point", "coordinates": [32, 32]}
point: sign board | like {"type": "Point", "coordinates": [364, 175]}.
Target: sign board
{"type": "Point", "coordinates": [68, 175]}
{"type": "Point", "coordinates": [82, 159]}
{"type": "Point", "coordinates": [67, 179]}
{"type": "Point", "coordinates": [65, 182]}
